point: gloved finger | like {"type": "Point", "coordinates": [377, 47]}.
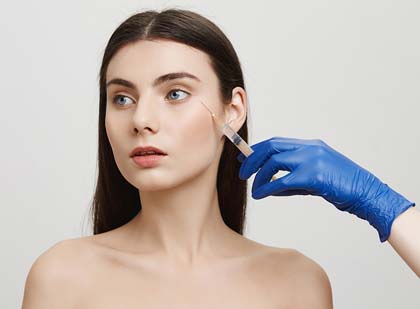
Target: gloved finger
{"type": "Point", "coordinates": [262, 152]}
{"type": "Point", "coordinates": [284, 161]}
{"type": "Point", "coordinates": [293, 192]}
{"type": "Point", "coordinates": [296, 179]}
{"type": "Point", "coordinates": [283, 144]}
{"type": "Point", "coordinates": [285, 183]}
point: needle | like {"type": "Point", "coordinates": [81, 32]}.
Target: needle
{"type": "Point", "coordinates": [234, 137]}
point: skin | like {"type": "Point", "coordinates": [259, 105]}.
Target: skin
{"type": "Point", "coordinates": [177, 252]}
{"type": "Point", "coordinates": [404, 238]}
{"type": "Point", "coordinates": [184, 227]}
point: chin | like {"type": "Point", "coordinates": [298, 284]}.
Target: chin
{"type": "Point", "coordinates": [149, 182]}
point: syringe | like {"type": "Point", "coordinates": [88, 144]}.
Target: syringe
{"type": "Point", "coordinates": [234, 137]}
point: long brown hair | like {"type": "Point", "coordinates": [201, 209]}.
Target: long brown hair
{"type": "Point", "coordinates": [116, 201]}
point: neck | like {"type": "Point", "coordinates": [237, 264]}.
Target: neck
{"type": "Point", "coordinates": [183, 223]}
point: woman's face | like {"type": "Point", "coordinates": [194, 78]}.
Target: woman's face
{"type": "Point", "coordinates": [167, 115]}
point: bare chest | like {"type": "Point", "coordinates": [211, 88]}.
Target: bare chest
{"type": "Point", "coordinates": [122, 286]}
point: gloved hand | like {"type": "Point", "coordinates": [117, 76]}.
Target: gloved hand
{"type": "Point", "coordinates": [317, 169]}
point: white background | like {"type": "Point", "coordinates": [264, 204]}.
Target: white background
{"type": "Point", "coordinates": [346, 72]}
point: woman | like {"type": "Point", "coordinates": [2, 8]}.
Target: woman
{"type": "Point", "coordinates": [168, 226]}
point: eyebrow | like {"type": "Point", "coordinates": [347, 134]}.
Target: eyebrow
{"type": "Point", "coordinates": [160, 80]}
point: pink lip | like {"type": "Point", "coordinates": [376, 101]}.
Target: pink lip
{"type": "Point", "coordinates": [148, 160]}
{"type": "Point", "coordinates": [146, 148]}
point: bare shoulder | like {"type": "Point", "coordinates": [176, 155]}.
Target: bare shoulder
{"type": "Point", "coordinates": [309, 284]}
{"type": "Point", "coordinates": [53, 280]}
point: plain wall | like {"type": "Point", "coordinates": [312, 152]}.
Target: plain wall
{"type": "Point", "coordinates": [346, 72]}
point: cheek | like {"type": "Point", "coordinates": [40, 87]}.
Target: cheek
{"type": "Point", "coordinates": [194, 134]}
{"type": "Point", "coordinates": [109, 130]}
{"type": "Point", "coordinates": [113, 129]}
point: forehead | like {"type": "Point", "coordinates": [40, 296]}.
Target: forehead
{"type": "Point", "coordinates": [145, 60]}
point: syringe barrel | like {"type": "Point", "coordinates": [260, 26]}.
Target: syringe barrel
{"type": "Point", "coordinates": [240, 143]}
{"type": "Point", "coordinates": [237, 140]}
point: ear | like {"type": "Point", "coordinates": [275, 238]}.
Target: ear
{"type": "Point", "coordinates": [236, 111]}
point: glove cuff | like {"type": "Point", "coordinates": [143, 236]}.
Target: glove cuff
{"type": "Point", "coordinates": [385, 209]}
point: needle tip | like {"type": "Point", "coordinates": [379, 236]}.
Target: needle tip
{"type": "Point", "coordinates": [205, 105]}
{"type": "Point", "coordinates": [219, 124]}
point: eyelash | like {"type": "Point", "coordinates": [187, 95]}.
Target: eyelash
{"type": "Point", "coordinates": [172, 90]}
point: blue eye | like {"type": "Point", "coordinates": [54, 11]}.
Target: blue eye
{"type": "Point", "coordinates": [117, 97]}
{"type": "Point", "coordinates": [176, 98]}
{"type": "Point", "coordinates": [176, 90]}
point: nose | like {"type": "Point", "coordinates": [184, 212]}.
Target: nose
{"type": "Point", "coordinates": [145, 116]}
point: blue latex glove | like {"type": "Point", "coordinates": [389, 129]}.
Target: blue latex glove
{"type": "Point", "coordinates": [317, 169]}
